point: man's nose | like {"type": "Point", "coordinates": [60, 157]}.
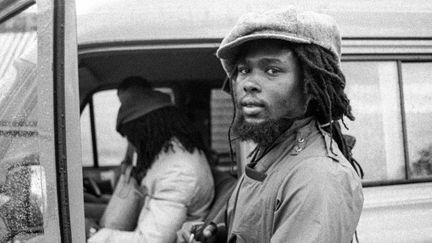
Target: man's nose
{"type": "Point", "coordinates": [252, 85]}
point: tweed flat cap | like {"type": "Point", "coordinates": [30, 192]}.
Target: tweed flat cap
{"type": "Point", "coordinates": [303, 27]}
{"type": "Point", "coordinates": [136, 101]}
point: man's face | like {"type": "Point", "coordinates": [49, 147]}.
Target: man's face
{"type": "Point", "coordinates": [268, 87]}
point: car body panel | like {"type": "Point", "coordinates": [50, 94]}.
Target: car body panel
{"type": "Point", "coordinates": [397, 213]}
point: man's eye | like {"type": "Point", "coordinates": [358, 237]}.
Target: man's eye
{"type": "Point", "coordinates": [272, 70]}
{"type": "Point", "coordinates": [242, 70]}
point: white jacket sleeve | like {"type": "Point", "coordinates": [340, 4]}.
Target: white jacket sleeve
{"type": "Point", "coordinates": [160, 224]}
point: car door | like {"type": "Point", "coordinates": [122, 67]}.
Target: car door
{"type": "Point", "coordinates": [40, 199]}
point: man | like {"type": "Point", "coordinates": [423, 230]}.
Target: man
{"type": "Point", "coordinates": [301, 184]}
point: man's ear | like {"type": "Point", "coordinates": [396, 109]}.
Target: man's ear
{"type": "Point", "coordinates": [226, 86]}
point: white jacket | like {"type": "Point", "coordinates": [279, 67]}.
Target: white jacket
{"type": "Point", "coordinates": [180, 188]}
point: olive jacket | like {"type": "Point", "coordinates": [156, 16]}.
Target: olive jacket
{"type": "Point", "coordinates": [301, 190]}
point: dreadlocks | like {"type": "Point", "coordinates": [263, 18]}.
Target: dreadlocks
{"type": "Point", "coordinates": [325, 83]}
{"type": "Point", "coordinates": [153, 132]}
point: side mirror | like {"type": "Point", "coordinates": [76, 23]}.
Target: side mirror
{"type": "Point", "coordinates": [22, 202]}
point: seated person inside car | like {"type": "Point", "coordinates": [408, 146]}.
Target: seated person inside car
{"type": "Point", "coordinates": [172, 165]}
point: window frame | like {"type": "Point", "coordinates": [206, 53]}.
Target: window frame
{"type": "Point", "coordinates": [13, 8]}
{"type": "Point", "coordinates": [93, 133]}
{"type": "Point", "coordinates": [399, 59]}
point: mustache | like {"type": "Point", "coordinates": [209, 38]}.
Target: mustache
{"type": "Point", "coordinates": [250, 101]}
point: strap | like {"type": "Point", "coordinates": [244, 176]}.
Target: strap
{"type": "Point", "coordinates": [128, 159]}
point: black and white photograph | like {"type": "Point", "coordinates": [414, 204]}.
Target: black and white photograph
{"type": "Point", "coordinates": [200, 121]}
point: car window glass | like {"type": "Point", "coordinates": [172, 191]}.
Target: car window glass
{"type": "Point", "coordinates": [22, 179]}
{"type": "Point", "coordinates": [86, 141]}
{"type": "Point", "coordinates": [373, 90]}
{"type": "Point", "coordinates": [417, 88]}
{"type": "Point", "coordinates": [111, 146]}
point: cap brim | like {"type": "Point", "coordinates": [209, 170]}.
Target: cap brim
{"type": "Point", "coordinates": [229, 50]}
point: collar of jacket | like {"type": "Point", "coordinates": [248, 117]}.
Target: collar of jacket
{"type": "Point", "coordinates": [295, 137]}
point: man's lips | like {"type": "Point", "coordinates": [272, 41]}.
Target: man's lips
{"type": "Point", "coordinates": [252, 110]}
{"type": "Point", "coordinates": [251, 107]}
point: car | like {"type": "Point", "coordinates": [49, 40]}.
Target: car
{"type": "Point", "coordinates": [58, 104]}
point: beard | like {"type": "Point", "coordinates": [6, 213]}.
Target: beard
{"type": "Point", "coordinates": [263, 133]}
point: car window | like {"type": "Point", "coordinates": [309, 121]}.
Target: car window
{"type": "Point", "coordinates": [417, 90]}
{"type": "Point", "coordinates": [86, 138]}
{"type": "Point", "coordinates": [22, 179]}
{"type": "Point", "coordinates": [373, 90]}
{"type": "Point", "coordinates": [109, 145]}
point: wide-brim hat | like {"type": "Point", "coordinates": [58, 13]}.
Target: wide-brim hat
{"type": "Point", "coordinates": [137, 101]}
{"type": "Point", "coordinates": [291, 25]}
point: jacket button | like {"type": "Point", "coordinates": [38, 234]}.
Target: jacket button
{"type": "Point", "coordinates": [300, 140]}
{"type": "Point", "coordinates": [298, 149]}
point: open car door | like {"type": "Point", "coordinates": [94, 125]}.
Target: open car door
{"type": "Point", "coordinates": [39, 123]}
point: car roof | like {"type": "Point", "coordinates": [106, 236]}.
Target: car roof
{"type": "Point", "coordinates": [102, 21]}
{"type": "Point", "coordinates": [169, 41]}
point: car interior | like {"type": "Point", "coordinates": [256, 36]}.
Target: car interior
{"type": "Point", "coordinates": [193, 77]}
